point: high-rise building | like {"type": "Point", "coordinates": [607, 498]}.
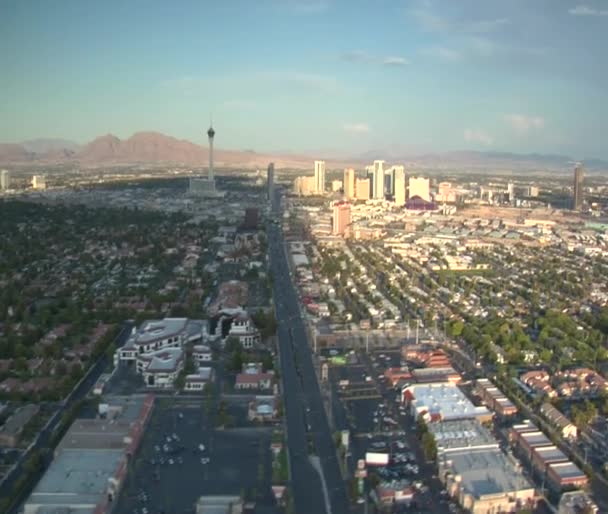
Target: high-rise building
{"type": "Point", "coordinates": [349, 183]}
{"type": "Point", "coordinates": [445, 193]}
{"type": "Point", "coordinates": [320, 177]}
{"type": "Point", "coordinates": [39, 182]}
{"type": "Point", "coordinates": [378, 181]}
{"type": "Point", "coordinates": [304, 185]}
{"type": "Point", "coordinates": [270, 180]}
{"type": "Point", "coordinates": [5, 180]}
{"type": "Point", "coordinates": [419, 186]}
{"type": "Point", "coordinates": [362, 188]}
{"type": "Point", "coordinates": [579, 175]}
{"type": "Point", "coordinates": [336, 185]}
{"type": "Point", "coordinates": [399, 181]}
{"type": "Point", "coordinates": [341, 218]}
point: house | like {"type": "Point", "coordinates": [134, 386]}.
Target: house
{"type": "Point", "coordinates": [558, 420]}
{"type": "Point", "coordinates": [244, 330]}
{"type": "Point", "coordinates": [198, 381]}
{"type": "Point", "coordinates": [254, 381]}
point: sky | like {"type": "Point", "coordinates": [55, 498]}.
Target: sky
{"type": "Point", "coordinates": [321, 76]}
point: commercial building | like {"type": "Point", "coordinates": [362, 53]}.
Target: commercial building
{"type": "Point", "coordinates": [156, 349]}
{"type": "Point", "coordinates": [576, 502]}
{"type": "Point", "coordinates": [362, 189]}
{"type": "Point", "coordinates": [441, 401]}
{"type": "Point", "coordinates": [39, 182]}
{"type": "Point", "coordinates": [419, 186]}
{"type": "Point", "coordinates": [485, 480]}
{"type": "Point", "coordinates": [336, 185]}
{"type": "Point", "coordinates": [349, 183]}
{"type": "Point", "coordinates": [91, 461]}
{"type": "Point", "coordinates": [197, 381]}
{"type": "Point", "coordinates": [445, 193]}
{"type": "Point", "coordinates": [5, 180]}
{"type": "Point", "coordinates": [319, 177]}
{"type": "Point", "coordinates": [12, 428]}
{"type": "Point", "coordinates": [341, 218]}
{"type": "Point", "coordinates": [400, 187]}
{"type": "Point", "coordinates": [577, 198]}
{"type": "Point", "coordinates": [461, 434]}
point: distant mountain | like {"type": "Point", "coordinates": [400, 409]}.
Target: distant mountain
{"type": "Point", "coordinates": [14, 153]}
{"type": "Point", "coordinates": [50, 145]}
{"type": "Point", "coordinates": [156, 148]}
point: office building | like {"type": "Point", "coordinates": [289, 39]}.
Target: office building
{"type": "Point", "coordinates": [319, 177]}
{"type": "Point", "coordinates": [378, 180]}
{"type": "Point", "coordinates": [270, 180]}
{"type": "Point", "coordinates": [336, 185]}
{"type": "Point", "coordinates": [5, 180]}
{"type": "Point", "coordinates": [399, 181]}
{"type": "Point", "coordinates": [579, 175]}
{"type": "Point", "coordinates": [419, 186]}
{"type": "Point", "coordinates": [362, 188]}
{"type": "Point", "coordinates": [349, 183]}
{"type": "Point", "coordinates": [341, 218]}
{"type": "Point", "coordinates": [39, 182]}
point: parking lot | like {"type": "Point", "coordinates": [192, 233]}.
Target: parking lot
{"type": "Point", "coordinates": [366, 404]}
{"type": "Point", "coordinates": [182, 457]}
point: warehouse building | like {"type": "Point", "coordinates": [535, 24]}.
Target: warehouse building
{"type": "Point", "coordinates": [485, 480]}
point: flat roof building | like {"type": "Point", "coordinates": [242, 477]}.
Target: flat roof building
{"type": "Point", "coordinates": [485, 480]}
{"type": "Point", "coordinates": [563, 475]}
{"type": "Point", "coordinates": [441, 401]}
{"type": "Point", "coordinates": [10, 432]}
{"type": "Point", "coordinates": [461, 434]}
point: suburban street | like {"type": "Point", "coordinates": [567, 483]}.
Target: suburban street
{"type": "Point", "coordinates": [307, 423]}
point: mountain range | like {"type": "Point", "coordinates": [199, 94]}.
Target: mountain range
{"type": "Point", "coordinates": [155, 148]}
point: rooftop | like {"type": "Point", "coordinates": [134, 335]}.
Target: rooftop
{"type": "Point", "coordinates": [21, 416]}
{"type": "Point", "coordinates": [461, 433]}
{"type": "Point", "coordinates": [76, 477]}
{"type": "Point", "coordinates": [566, 470]}
{"type": "Point", "coordinates": [486, 472]}
{"type": "Point", "coordinates": [445, 400]}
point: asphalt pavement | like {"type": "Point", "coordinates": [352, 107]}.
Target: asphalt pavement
{"type": "Point", "coordinates": [307, 424]}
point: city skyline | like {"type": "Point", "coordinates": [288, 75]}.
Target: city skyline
{"type": "Point", "coordinates": [434, 78]}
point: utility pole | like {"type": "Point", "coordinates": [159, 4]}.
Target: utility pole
{"type": "Point", "coordinates": [417, 330]}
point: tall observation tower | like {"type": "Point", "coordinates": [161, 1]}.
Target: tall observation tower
{"type": "Point", "coordinates": [202, 186]}
{"type": "Point", "coordinates": [211, 135]}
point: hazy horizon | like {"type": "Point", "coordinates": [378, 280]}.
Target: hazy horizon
{"type": "Point", "coordinates": [308, 76]}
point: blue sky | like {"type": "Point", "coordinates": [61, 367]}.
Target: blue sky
{"type": "Point", "coordinates": [324, 76]}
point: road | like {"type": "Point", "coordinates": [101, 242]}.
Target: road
{"type": "Point", "coordinates": [45, 437]}
{"type": "Point", "coordinates": [305, 415]}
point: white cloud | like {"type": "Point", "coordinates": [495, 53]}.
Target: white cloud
{"type": "Point", "coordinates": [429, 20]}
{"type": "Point", "coordinates": [585, 10]}
{"type": "Point", "coordinates": [523, 124]}
{"type": "Point", "coordinates": [395, 61]}
{"type": "Point", "coordinates": [447, 54]}
{"type": "Point", "coordinates": [356, 128]}
{"type": "Point", "coordinates": [477, 136]}
{"type": "Point", "coordinates": [366, 57]}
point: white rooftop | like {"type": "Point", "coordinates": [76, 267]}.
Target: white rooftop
{"type": "Point", "coordinates": [445, 400]}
